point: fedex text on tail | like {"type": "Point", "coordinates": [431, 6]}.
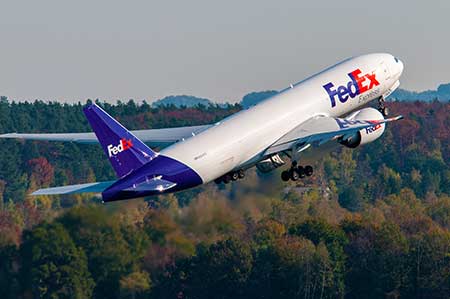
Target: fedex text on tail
{"type": "Point", "coordinates": [123, 145]}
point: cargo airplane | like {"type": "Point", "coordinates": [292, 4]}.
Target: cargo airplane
{"type": "Point", "coordinates": [326, 107]}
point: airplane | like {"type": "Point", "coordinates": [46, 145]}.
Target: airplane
{"type": "Point", "coordinates": [326, 107]}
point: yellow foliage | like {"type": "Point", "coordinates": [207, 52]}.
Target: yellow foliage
{"type": "Point", "coordinates": [136, 282]}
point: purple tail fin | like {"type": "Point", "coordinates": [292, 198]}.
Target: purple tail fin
{"type": "Point", "coordinates": [125, 152]}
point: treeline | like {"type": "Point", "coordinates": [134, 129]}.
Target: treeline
{"type": "Point", "coordinates": [371, 223]}
{"type": "Point", "coordinates": [217, 249]}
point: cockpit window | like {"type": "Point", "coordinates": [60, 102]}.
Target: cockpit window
{"type": "Point", "coordinates": [396, 59]}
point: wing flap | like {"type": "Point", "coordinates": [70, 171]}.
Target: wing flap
{"type": "Point", "coordinates": [96, 187]}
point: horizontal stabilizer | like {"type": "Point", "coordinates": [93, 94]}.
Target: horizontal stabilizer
{"type": "Point", "coordinates": [96, 187]}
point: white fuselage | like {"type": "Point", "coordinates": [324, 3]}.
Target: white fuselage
{"type": "Point", "coordinates": [244, 136]}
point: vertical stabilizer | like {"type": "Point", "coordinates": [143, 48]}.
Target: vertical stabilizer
{"type": "Point", "coordinates": [124, 150]}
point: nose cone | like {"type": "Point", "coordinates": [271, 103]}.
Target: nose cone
{"type": "Point", "coordinates": [400, 67]}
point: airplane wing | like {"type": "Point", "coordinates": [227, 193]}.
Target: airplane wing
{"type": "Point", "coordinates": [153, 137]}
{"type": "Point", "coordinates": [96, 187]}
{"type": "Point", "coordinates": [321, 129]}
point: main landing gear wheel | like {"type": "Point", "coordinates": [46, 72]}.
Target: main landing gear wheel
{"type": "Point", "coordinates": [301, 171]}
{"type": "Point", "coordinates": [285, 175]}
{"type": "Point", "coordinates": [309, 170]}
{"type": "Point", "coordinates": [296, 172]}
{"type": "Point", "coordinates": [234, 176]}
{"type": "Point", "coordinates": [231, 176]}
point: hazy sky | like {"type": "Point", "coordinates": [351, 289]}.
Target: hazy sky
{"type": "Point", "coordinates": [73, 50]}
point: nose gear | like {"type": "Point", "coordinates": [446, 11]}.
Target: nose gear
{"type": "Point", "coordinates": [381, 106]}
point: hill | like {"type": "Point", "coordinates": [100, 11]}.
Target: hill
{"type": "Point", "coordinates": [254, 98]}
{"type": "Point", "coordinates": [181, 101]}
{"type": "Point", "coordinates": [442, 93]}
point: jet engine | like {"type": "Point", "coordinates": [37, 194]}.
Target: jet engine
{"type": "Point", "coordinates": [366, 135]}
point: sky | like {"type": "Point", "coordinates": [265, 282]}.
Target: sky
{"type": "Point", "coordinates": [221, 50]}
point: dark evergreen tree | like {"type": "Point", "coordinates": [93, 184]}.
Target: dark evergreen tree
{"type": "Point", "coordinates": [53, 266]}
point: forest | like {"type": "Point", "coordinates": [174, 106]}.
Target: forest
{"type": "Point", "coordinates": [372, 222]}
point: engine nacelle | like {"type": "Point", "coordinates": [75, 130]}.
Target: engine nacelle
{"type": "Point", "coordinates": [270, 163]}
{"type": "Point", "coordinates": [366, 135]}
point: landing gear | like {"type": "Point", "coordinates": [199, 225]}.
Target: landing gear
{"type": "Point", "coordinates": [294, 175]}
{"type": "Point", "coordinates": [226, 178]}
{"type": "Point", "coordinates": [296, 172]}
{"type": "Point", "coordinates": [231, 176]}
{"type": "Point", "coordinates": [381, 106]}
{"type": "Point", "coordinates": [301, 171]}
{"type": "Point", "coordinates": [285, 176]}
{"type": "Point", "coordinates": [234, 176]}
{"type": "Point", "coordinates": [309, 170]}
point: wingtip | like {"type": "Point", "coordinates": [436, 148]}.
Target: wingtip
{"type": "Point", "coordinates": [8, 135]}
{"type": "Point", "coordinates": [395, 118]}
{"type": "Point", "coordinates": [398, 117]}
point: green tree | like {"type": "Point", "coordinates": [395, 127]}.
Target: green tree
{"type": "Point", "coordinates": [220, 270]}
{"type": "Point", "coordinates": [319, 231]}
{"type": "Point", "coordinates": [267, 232]}
{"type": "Point", "coordinates": [110, 256]}
{"type": "Point", "coordinates": [439, 211]}
{"type": "Point", "coordinates": [135, 284]}
{"type": "Point", "coordinates": [378, 261]}
{"type": "Point", "coordinates": [351, 198]}
{"type": "Point", "coordinates": [292, 267]}
{"type": "Point", "coordinates": [430, 265]}
{"type": "Point", "coordinates": [9, 261]}
{"type": "Point", "coordinates": [53, 267]}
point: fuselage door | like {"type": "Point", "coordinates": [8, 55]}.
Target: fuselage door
{"type": "Point", "coordinates": [384, 70]}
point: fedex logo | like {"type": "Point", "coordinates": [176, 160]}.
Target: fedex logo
{"type": "Point", "coordinates": [346, 123]}
{"type": "Point", "coordinates": [357, 85]}
{"type": "Point", "coordinates": [372, 128]}
{"type": "Point", "coordinates": [122, 146]}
